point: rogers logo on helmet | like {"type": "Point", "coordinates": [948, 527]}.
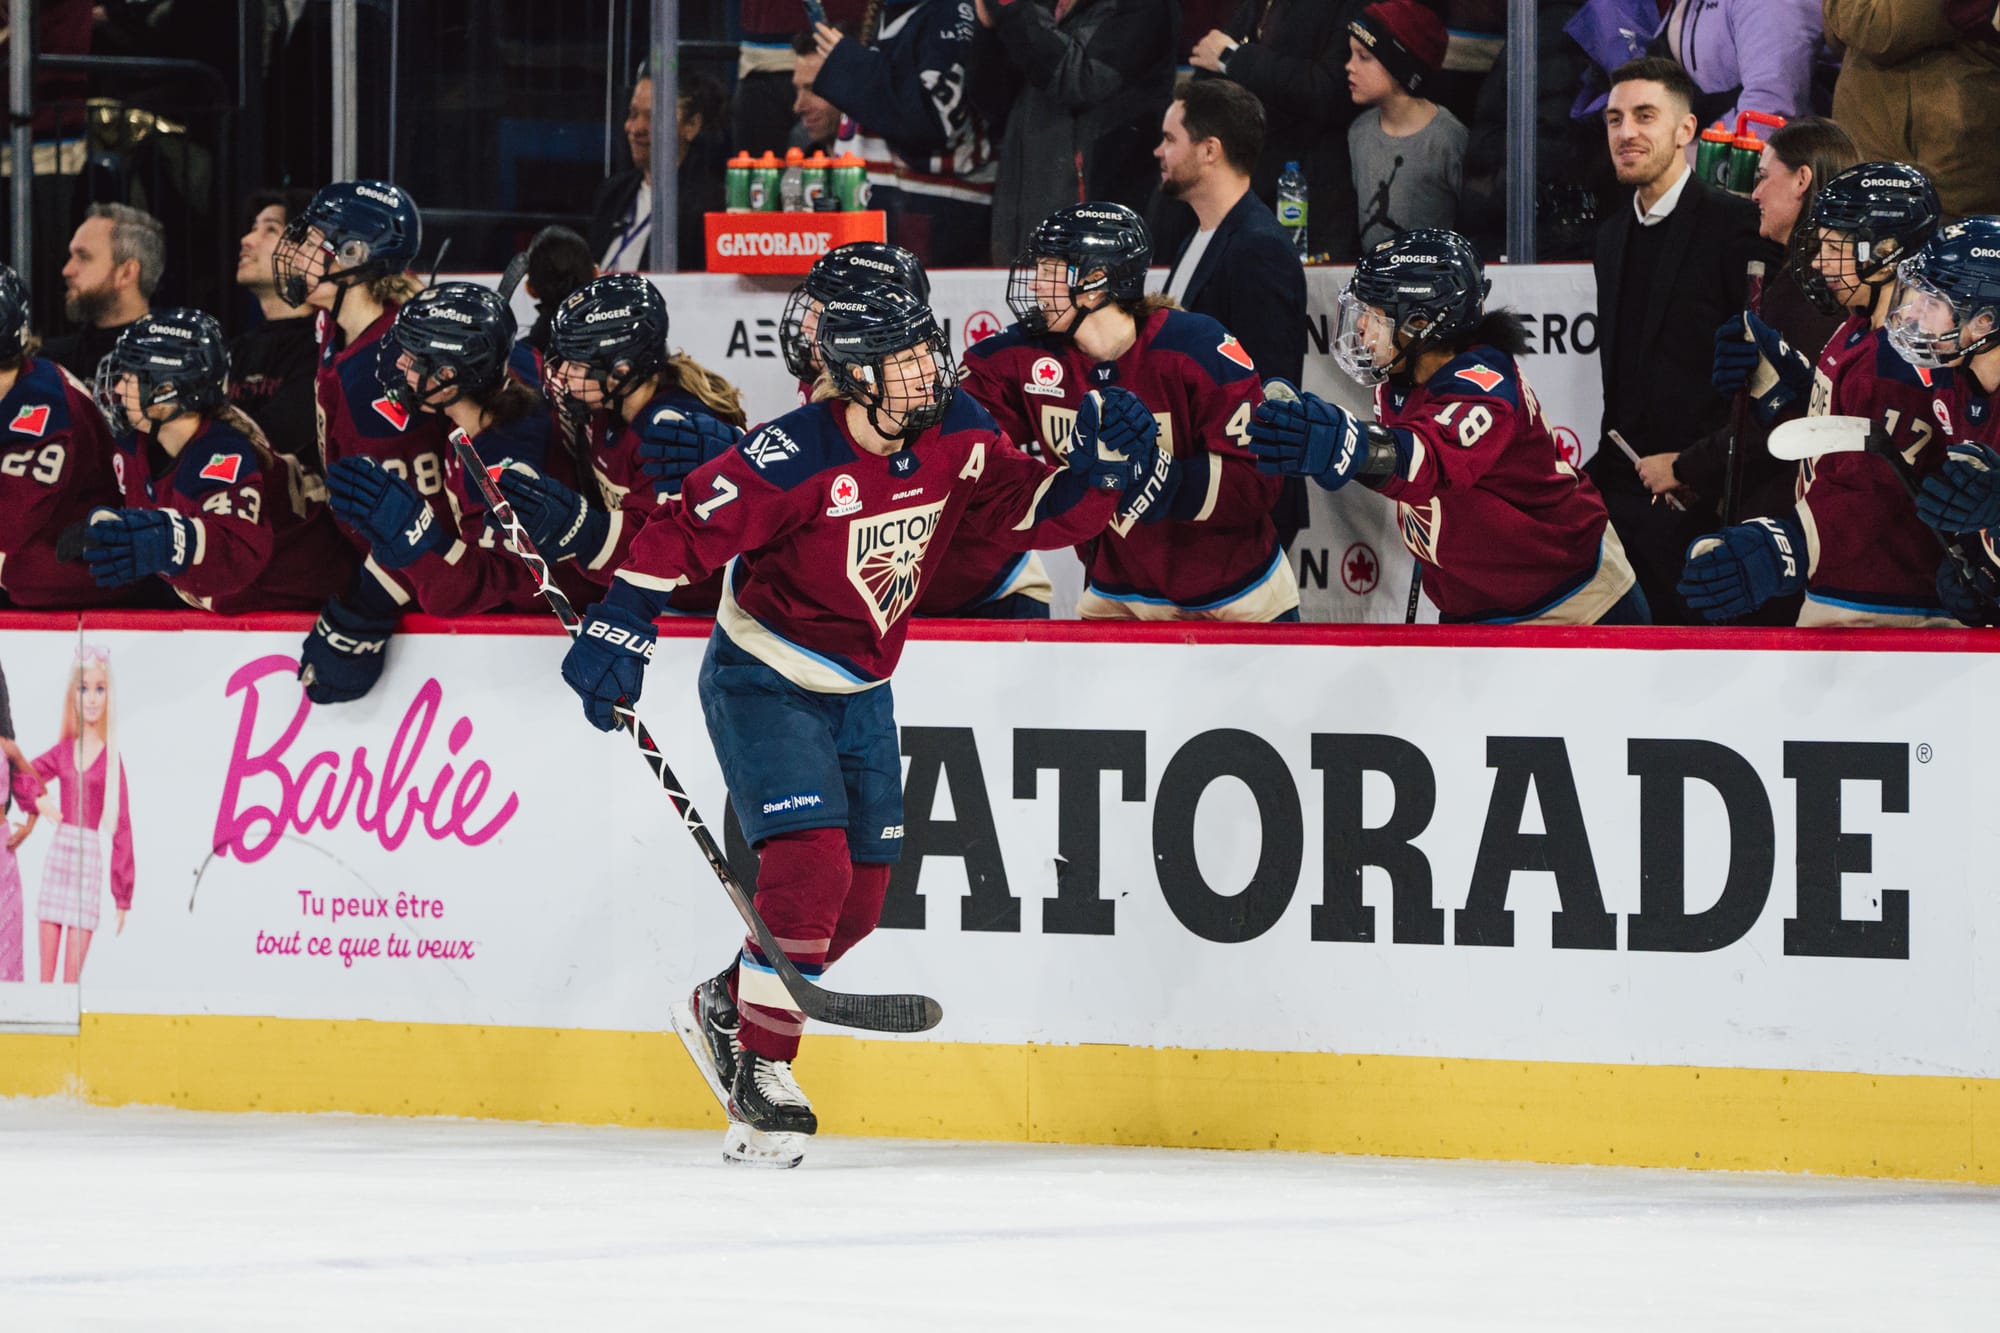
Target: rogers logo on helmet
{"type": "Point", "coordinates": [1980, 252]}
{"type": "Point", "coordinates": [394, 201]}
{"type": "Point", "coordinates": [599, 316]}
{"type": "Point", "coordinates": [455, 316]}
{"type": "Point", "coordinates": [1882, 182]}
{"type": "Point", "coordinates": [875, 264]}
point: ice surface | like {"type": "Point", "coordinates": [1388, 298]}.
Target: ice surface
{"type": "Point", "coordinates": [138, 1218]}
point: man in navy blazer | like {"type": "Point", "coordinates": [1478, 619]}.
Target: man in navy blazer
{"type": "Point", "coordinates": [1240, 268]}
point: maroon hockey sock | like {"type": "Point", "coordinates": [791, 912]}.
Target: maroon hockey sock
{"type": "Point", "coordinates": [802, 882]}
{"type": "Point", "coordinates": [862, 909]}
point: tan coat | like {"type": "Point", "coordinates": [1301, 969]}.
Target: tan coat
{"type": "Point", "coordinates": [1912, 90]}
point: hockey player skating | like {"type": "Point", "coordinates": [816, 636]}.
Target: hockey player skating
{"type": "Point", "coordinates": [1854, 542]}
{"type": "Point", "coordinates": [1946, 313]}
{"type": "Point", "coordinates": [1078, 292]}
{"type": "Point", "coordinates": [228, 522]}
{"type": "Point", "coordinates": [1506, 530]}
{"type": "Point", "coordinates": [645, 417]}
{"type": "Point", "coordinates": [835, 515]}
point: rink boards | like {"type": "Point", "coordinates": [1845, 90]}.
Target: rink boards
{"type": "Point", "coordinates": [1570, 896]}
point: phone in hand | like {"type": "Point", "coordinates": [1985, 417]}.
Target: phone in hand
{"type": "Point", "coordinates": [815, 12]}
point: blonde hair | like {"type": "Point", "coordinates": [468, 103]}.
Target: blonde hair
{"type": "Point", "coordinates": [393, 288]}
{"type": "Point", "coordinates": [717, 394]}
{"type": "Point", "coordinates": [72, 731]}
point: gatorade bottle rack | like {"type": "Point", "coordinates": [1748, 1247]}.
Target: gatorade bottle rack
{"type": "Point", "coordinates": [784, 242]}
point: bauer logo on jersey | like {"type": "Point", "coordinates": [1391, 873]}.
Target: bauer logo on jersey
{"type": "Point", "coordinates": [31, 420]}
{"type": "Point", "coordinates": [222, 467]}
{"type": "Point", "coordinates": [843, 497]}
{"type": "Point", "coordinates": [770, 445]}
{"type": "Point", "coordinates": [1045, 377]}
{"type": "Point", "coordinates": [885, 557]}
{"type": "Point", "coordinates": [392, 412]}
{"type": "Point", "coordinates": [1233, 350]}
{"type": "Point", "coordinates": [1482, 376]}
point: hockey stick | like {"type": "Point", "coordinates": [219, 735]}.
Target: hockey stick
{"type": "Point", "coordinates": [875, 1013]}
{"type": "Point", "coordinates": [1739, 411]}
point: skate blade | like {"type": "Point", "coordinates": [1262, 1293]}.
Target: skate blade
{"type": "Point", "coordinates": [681, 1013]}
{"type": "Point", "coordinates": [744, 1146]}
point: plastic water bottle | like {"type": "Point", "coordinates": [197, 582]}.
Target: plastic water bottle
{"type": "Point", "coordinates": [1292, 205]}
{"type": "Point", "coordinates": [792, 184]}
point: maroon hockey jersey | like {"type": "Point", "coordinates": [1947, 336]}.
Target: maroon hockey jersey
{"type": "Point", "coordinates": [1508, 532]}
{"type": "Point", "coordinates": [832, 544]}
{"type": "Point", "coordinates": [1870, 559]}
{"type": "Point", "coordinates": [261, 544]}
{"type": "Point", "coordinates": [1216, 555]}
{"type": "Point", "coordinates": [55, 467]}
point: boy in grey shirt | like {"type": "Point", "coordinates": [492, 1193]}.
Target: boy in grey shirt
{"type": "Point", "coordinates": [1406, 150]}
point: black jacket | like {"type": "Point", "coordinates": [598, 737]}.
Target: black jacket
{"type": "Point", "coordinates": [701, 191]}
{"type": "Point", "coordinates": [271, 377]}
{"type": "Point", "coordinates": [1250, 281]}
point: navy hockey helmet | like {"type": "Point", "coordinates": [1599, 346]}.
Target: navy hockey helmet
{"type": "Point", "coordinates": [455, 337]}
{"type": "Point", "coordinates": [614, 329]}
{"type": "Point", "coordinates": [1882, 213]}
{"type": "Point", "coordinates": [1429, 288]}
{"type": "Point", "coordinates": [1947, 303]}
{"type": "Point", "coordinates": [352, 231]}
{"type": "Point", "coordinates": [884, 350]}
{"type": "Point", "coordinates": [13, 316]}
{"type": "Point", "coordinates": [176, 358]}
{"type": "Point", "coordinates": [855, 266]}
{"type": "Point", "coordinates": [1074, 250]}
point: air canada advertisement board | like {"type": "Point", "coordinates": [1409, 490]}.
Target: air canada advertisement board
{"type": "Point", "coordinates": [1765, 859]}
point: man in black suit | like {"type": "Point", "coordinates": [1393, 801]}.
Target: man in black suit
{"type": "Point", "coordinates": [1670, 268]}
{"type": "Point", "coordinates": [1240, 268]}
{"type": "Point", "coordinates": [621, 212]}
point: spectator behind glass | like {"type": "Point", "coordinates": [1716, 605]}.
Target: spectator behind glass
{"type": "Point", "coordinates": [1098, 75]}
{"type": "Point", "coordinates": [116, 258]}
{"type": "Point", "coordinates": [763, 112]}
{"type": "Point", "coordinates": [1920, 83]}
{"type": "Point", "coordinates": [1744, 55]}
{"type": "Point", "coordinates": [272, 362]}
{"type": "Point", "coordinates": [558, 263]}
{"type": "Point", "coordinates": [1796, 160]}
{"type": "Point", "coordinates": [904, 95]}
{"type": "Point", "coordinates": [621, 214]}
{"type": "Point", "coordinates": [1407, 152]}
{"type": "Point", "coordinates": [1293, 55]}
{"type": "Point", "coordinates": [817, 121]}
{"type": "Point", "coordinates": [1670, 267]}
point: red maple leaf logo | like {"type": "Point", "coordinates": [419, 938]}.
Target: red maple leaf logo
{"type": "Point", "coordinates": [223, 468]}
{"type": "Point", "coordinates": [1359, 570]}
{"type": "Point", "coordinates": [1483, 377]}
{"type": "Point", "coordinates": [980, 326]}
{"type": "Point", "coordinates": [32, 420]}
{"type": "Point", "coordinates": [843, 491]}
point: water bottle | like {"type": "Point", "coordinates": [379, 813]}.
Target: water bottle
{"type": "Point", "coordinates": [792, 184]}
{"type": "Point", "coordinates": [1292, 205]}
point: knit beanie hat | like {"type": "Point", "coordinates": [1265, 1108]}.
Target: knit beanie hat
{"type": "Point", "coordinates": [1408, 38]}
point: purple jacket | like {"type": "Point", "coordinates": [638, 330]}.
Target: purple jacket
{"type": "Point", "coordinates": [1765, 46]}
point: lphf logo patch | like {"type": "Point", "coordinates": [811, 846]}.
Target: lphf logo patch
{"type": "Point", "coordinates": [223, 468]}
{"type": "Point", "coordinates": [843, 497]}
{"type": "Point", "coordinates": [1045, 377]}
{"type": "Point", "coordinates": [31, 420]}
{"type": "Point", "coordinates": [885, 557]}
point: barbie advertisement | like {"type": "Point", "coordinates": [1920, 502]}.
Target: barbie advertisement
{"type": "Point", "coordinates": [187, 833]}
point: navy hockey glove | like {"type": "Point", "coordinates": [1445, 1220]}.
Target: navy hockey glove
{"type": "Point", "coordinates": [343, 656]}
{"type": "Point", "coordinates": [385, 509]}
{"type": "Point", "coordinates": [1298, 435]}
{"type": "Point", "coordinates": [1737, 570]}
{"type": "Point", "coordinates": [606, 665]}
{"type": "Point", "coordinates": [1751, 354]}
{"type": "Point", "coordinates": [1964, 495]}
{"type": "Point", "coordinates": [1115, 437]}
{"type": "Point", "coordinates": [559, 522]}
{"type": "Point", "coordinates": [673, 443]}
{"type": "Point", "coordinates": [125, 545]}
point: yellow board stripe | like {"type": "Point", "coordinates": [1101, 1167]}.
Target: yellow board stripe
{"type": "Point", "coordinates": [1631, 1115]}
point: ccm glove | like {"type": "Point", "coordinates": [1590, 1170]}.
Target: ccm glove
{"type": "Point", "coordinates": [560, 524]}
{"type": "Point", "coordinates": [343, 656]}
{"type": "Point", "coordinates": [1737, 570]}
{"type": "Point", "coordinates": [385, 509]}
{"type": "Point", "coordinates": [1299, 435]}
{"type": "Point", "coordinates": [673, 443]}
{"type": "Point", "coordinates": [1964, 495]}
{"type": "Point", "coordinates": [606, 665]}
{"type": "Point", "coordinates": [1750, 354]}
{"type": "Point", "coordinates": [125, 545]}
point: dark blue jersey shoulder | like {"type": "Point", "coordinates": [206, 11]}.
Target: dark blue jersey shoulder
{"type": "Point", "coordinates": [1201, 339]}
{"type": "Point", "coordinates": [967, 413]}
{"type": "Point", "coordinates": [1479, 372]}
{"type": "Point", "coordinates": [525, 439]}
{"type": "Point", "coordinates": [524, 363]}
{"type": "Point", "coordinates": [38, 404]}
{"type": "Point", "coordinates": [218, 457]}
{"type": "Point", "coordinates": [1889, 365]}
{"type": "Point", "coordinates": [374, 414]}
{"type": "Point", "coordinates": [796, 447]}
{"type": "Point", "coordinates": [1010, 339]}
